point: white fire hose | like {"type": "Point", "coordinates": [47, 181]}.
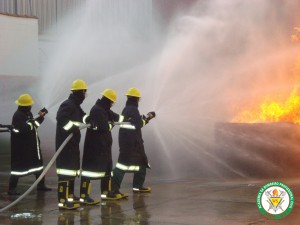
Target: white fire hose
{"type": "Point", "coordinates": [83, 126]}
{"type": "Point", "coordinates": [4, 129]}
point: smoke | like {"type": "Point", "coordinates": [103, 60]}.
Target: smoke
{"type": "Point", "coordinates": [208, 61]}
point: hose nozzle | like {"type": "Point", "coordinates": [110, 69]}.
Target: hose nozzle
{"type": "Point", "coordinates": [43, 112]}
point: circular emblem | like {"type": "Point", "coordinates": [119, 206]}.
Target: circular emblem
{"type": "Point", "coordinates": [275, 200]}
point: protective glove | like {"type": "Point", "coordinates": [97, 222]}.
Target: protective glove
{"type": "Point", "coordinates": [145, 119]}
{"type": "Point", "coordinates": [93, 125]}
{"type": "Point", "coordinates": [43, 112]}
{"type": "Point", "coordinates": [150, 115]}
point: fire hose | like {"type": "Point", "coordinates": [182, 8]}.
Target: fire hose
{"type": "Point", "coordinates": [48, 167]}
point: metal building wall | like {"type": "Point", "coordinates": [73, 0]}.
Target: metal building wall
{"type": "Point", "coordinates": [49, 12]}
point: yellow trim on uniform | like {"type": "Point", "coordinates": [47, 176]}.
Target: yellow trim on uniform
{"type": "Point", "coordinates": [92, 174]}
{"type": "Point", "coordinates": [128, 168]}
{"type": "Point", "coordinates": [84, 118]}
{"type": "Point", "coordinates": [127, 126]}
{"type": "Point", "coordinates": [26, 172]}
{"type": "Point", "coordinates": [67, 172]}
{"type": "Point", "coordinates": [68, 125]}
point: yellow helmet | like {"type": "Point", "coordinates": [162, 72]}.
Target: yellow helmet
{"type": "Point", "coordinates": [134, 92]}
{"type": "Point", "coordinates": [110, 94]}
{"type": "Point", "coordinates": [78, 85]}
{"type": "Point", "coordinates": [24, 100]}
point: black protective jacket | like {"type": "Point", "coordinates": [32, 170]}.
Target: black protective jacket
{"type": "Point", "coordinates": [97, 157]}
{"type": "Point", "coordinates": [132, 152]}
{"type": "Point", "coordinates": [68, 162]}
{"type": "Point", "coordinates": [26, 155]}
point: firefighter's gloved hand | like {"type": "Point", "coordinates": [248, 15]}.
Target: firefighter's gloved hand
{"type": "Point", "coordinates": [150, 115]}
{"type": "Point", "coordinates": [92, 124]}
{"type": "Point", "coordinates": [43, 112]}
{"type": "Point", "coordinates": [74, 129]}
{"type": "Point", "coordinates": [145, 119]}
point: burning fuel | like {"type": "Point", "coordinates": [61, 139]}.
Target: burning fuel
{"type": "Point", "coordinates": [280, 108]}
{"type": "Point", "coordinates": [271, 110]}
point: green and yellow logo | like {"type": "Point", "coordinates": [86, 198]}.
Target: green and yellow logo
{"type": "Point", "coordinates": [275, 200]}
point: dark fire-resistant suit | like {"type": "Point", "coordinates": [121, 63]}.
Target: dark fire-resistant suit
{"type": "Point", "coordinates": [132, 157]}
{"type": "Point", "coordinates": [26, 155]}
{"type": "Point", "coordinates": [97, 156]}
{"type": "Point", "coordinates": [69, 116]}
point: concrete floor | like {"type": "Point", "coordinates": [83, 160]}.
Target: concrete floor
{"type": "Point", "coordinates": [191, 201]}
{"type": "Point", "coordinates": [188, 201]}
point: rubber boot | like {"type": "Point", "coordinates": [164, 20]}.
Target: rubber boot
{"type": "Point", "coordinates": [85, 190]}
{"type": "Point", "coordinates": [71, 195]}
{"type": "Point", "coordinates": [41, 185]}
{"type": "Point", "coordinates": [138, 181]}
{"type": "Point", "coordinates": [63, 202]}
{"type": "Point", "coordinates": [141, 190]}
{"type": "Point", "coordinates": [106, 188]}
{"type": "Point", "coordinates": [107, 193]}
{"type": "Point", "coordinates": [13, 182]}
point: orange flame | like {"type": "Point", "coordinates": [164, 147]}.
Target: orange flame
{"type": "Point", "coordinates": [273, 111]}
{"type": "Point", "coordinates": [276, 110]}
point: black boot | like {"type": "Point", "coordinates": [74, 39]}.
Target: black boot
{"type": "Point", "coordinates": [106, 190]}
{"type": "Point", "coordinates": [85, 189]}
{"type": "Point", "coordinates": [71, 194]}
{"type": "Point", "coordinates": [62, 195]}
{"type": "Point", "coordinates": [41, 185]}
{"type": "Point", "coordinates": [13, 182]}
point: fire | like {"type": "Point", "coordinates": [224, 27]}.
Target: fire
{"type": "Point", "coordinates": [273, 111]}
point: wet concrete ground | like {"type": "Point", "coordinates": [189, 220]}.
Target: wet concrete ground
{"type": "Point", "coordinates": [191, 201]}
{"type": "Point", "coordinates": [186, 201]}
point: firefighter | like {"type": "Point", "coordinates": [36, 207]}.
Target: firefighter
{"type": "Point", "coordinates": [26, 155]}
{"type": "Point", "coordinates": [69, 117]}
{"type": "Point", "coordinates": [132, 157]}
{"type": "Point", "coordinates": [97, 156]}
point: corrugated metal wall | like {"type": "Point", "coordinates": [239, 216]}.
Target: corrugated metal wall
{"type": "Point", "coordinates": [49, 12]}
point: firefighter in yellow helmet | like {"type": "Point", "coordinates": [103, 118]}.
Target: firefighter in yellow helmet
{"type": "Point", "coordinates": [69, 117]}
{"type": "Point", "coordinates": [97, 156]}
{"type": "Point", "coordinates": [26, 155]}
{"type": "Point", "coordinates": [132, 157]}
